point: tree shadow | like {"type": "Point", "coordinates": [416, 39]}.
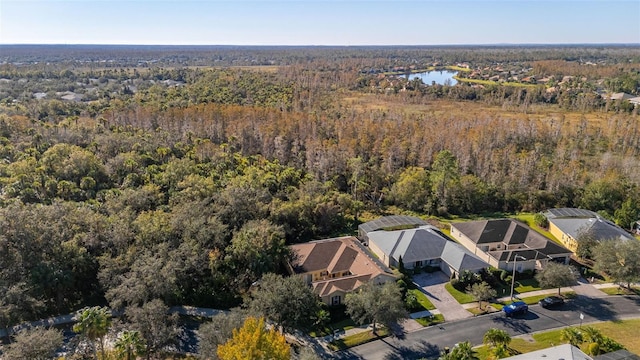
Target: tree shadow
{"type": "Point", "coordinates": [397, 331]}
{"type": "Point", "coordinates": [419, 351]}
{"type": "Point", "coordinates": [344, 355]}
{"type": "Point", "coordinates": [598, 308]}
{"type": "Point", "coordinates": [517, 324]}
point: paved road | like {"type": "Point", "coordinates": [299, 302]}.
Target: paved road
{"type": "Point", "coordinates": [426, 343]}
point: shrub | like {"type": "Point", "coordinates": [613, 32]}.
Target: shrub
{"type": "Point", "coordinates": [411, 303]}
{"type": "Point", "coordinates": [541, 221]}
{"type": "Point", "coordinates": [489, 277]}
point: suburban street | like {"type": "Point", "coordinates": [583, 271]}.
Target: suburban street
{"type": "Point", "coordinates": [427, 342]}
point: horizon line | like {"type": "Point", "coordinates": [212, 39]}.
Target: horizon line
{"type": "Point", "coordinates": [327, 45]}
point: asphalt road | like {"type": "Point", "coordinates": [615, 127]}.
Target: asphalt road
{"type": "Point", "coordinates": [427, 342]}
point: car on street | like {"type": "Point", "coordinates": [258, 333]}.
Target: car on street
{"type": "Point", "coordinates": [515, 308]}
{"type": "Point", "coordinates": [551, 302]}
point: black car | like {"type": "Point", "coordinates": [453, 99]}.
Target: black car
{"type": "Point", "coordinates": [551, 302]}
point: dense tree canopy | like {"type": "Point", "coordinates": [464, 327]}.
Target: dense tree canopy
{"type": "Point", "coordinates": [159, 182]}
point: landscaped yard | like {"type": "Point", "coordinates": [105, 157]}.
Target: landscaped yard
{"type": "Point", "coordinates": [617, 290]}
{"type": "Point", "coordinates": [358, 339]}
{"type": "Point", "coordinates": [422, 299]}
{"type": "Point", "coordinates": [431, 320]}
{"type": "Point", "coordinates": [343, 325]}
{"type": "Point", "coordinates": [521, 287]}
{"type": "Point", "coordinates": [532, 300]}
{"type": "Point", "coordinates": [462, 298]}
{"type": "Point", "coordinates": [626, 332]}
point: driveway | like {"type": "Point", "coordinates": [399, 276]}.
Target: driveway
{"type": "Point", "coordinates": [432, 285]}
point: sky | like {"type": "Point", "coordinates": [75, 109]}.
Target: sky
{"type": "Point", "coordinates": [311, 22]}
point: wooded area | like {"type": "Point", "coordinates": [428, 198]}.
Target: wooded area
{"type": "Point", "coordinates": [185, 180]}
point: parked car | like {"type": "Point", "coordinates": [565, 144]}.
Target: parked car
{"type": "Point", "coordinates": [551, 302]}
{"type": "Point", "coordinates": [515, 308]}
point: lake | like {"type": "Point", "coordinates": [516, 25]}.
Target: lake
{"type": "Point", "coordinates": [444, 77]}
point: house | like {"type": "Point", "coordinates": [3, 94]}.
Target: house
{"type": "Point", "coordinates": [570, 352]}
{"type": "Point", "coordinates": [499, 241]}
{"type": "Point", "coordinates": [387, 223]}
{"type": "Point", "coordinates": [568, 224]}
{"type": "Point", "coordinates": [423, 246]}
{"type": "Point", "coordinates": [564, 352]}
{"type": "Point", "coordinates": [335, 267]}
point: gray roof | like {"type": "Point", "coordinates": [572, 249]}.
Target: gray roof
{"type": "Point", "coordinates": [569, 213]}
{"type": "Point", "coordinates": [618, 355]}
{"type": "Point", "coordinates": [599, 228]}
{"type": "Point", "coordinates": [459, 258]}
{"type": "Point", "coordinates": [560, 352]}
{"type": "Point", "coordinates": [424, 243]}
{"type": "Point", "coordinates": [389, 221]}
{"type": "Point", "coordinates": [510, 232]}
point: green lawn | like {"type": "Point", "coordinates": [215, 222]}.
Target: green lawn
{"type": "Point", "coordinates": [358, 339]}
{"type": "Point", "coordinates": [431, 320]}
{"type": "Point", "coordinates": [527, 218]}
{"type": "Point", "coordinates": [617, 290]}
{"type": "Point", "coordinates": [345, 324]}
{"type": "Point", "coordinates": [532, 300]}
{"type": "Point", "coordinates": [626, 332]}
{"type": "Point", "coordinates": [422, 299]}
{"type": "Point", "coordinates": [462, 298]}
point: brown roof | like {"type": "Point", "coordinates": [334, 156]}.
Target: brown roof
{"type": "Point", "coordinates": [337, 255]}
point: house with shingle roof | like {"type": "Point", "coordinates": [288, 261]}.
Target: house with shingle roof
{"type": "Point", "coordinates": [568, 224]}
{"type": "Point", "coordinates": [499, 241]}
{"type": "Point", "coordinates": [423, 246]}
{"type": "Point", "coordinates": [335, 267]}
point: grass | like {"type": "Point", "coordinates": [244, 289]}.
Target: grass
{"type": "Point", "coordinates": [618, 290]}
{"type": "Point", "coordinates": [626, 332]}
{"type": "Point", "coordinates": [527, 218]}
{"type": "Point", "coordinates": [431, 320]}
{"type": "Point", "coordinates": [422, 299]}
{"type": "Point", "coordinates": [526, 285]}
{"type": "Point", "coordinates": [358, 339]}
{"type": "Point", "coordinates": [461, 297]}
{"type": "Point", "coordinates": [532, 300]}
{"type": "Point", "coordinates": [344, 325]}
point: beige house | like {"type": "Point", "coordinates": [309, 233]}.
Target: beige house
{"type": "Point", "coordinates": [335, 267]}
{"type": "Point", "coordinates": [500, 242]}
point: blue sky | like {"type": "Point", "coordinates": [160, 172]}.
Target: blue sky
{"type": "Point", "coordinates": [308, 22]}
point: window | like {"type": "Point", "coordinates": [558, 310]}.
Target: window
{"type": "Point", "coordinates": [335, 300]}
{"type": "Point", "coordinates": [418, 263]}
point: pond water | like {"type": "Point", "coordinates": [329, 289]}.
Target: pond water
{"type": "Point", "coordinates": [444, 77]}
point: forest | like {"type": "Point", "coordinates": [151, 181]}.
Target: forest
{"type": "Point", "coordinates": [129, 174]}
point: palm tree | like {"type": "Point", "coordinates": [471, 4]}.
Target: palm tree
{"type": "Point", "coordinates": [496, 337]}
{"type": "Point", "coordinates": [571, 335]}
{"type": "Point", "coordinates": [463, 351]}
{"type": "Point", "coordinates": [501, 351]}
{"type": "Point", "coordinates": [93, 323]}
{"type": "Point", "coordinates": [591, 334]}
{"type": "Point", "coordinates": [129, 345]}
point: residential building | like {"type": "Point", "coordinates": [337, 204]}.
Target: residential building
{"type": "Point", "coordinates": [570, 352]}
{"type": "Point", "coordinates": [393, 222]}
{"type": "Point", "coordinates": [335, 267]}
{"type": "Point", "coordinates": [568, 224]}
{"type": "Point", "coordinates": [423, 246]}
{"type": "Point", "coordinates": [499, 241]}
